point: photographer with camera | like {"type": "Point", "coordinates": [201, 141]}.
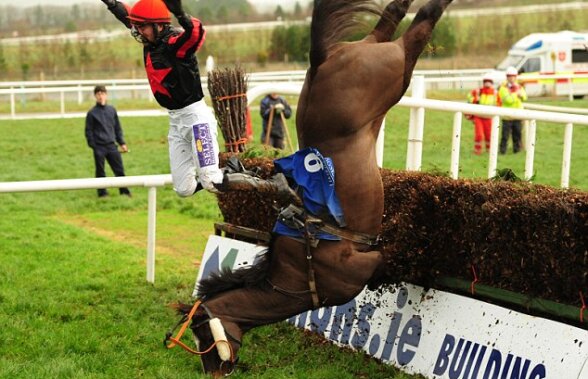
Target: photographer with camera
{"type": "Point", "coordinates": [274, 109]}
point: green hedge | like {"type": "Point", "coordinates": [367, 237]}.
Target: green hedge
{"type": "Point", "coordinates": [516, 236]}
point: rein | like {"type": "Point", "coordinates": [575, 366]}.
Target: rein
{"type": "Point", "coordinates": [297, 218]}
{"type": "Point", "coordinates": [186, 319]}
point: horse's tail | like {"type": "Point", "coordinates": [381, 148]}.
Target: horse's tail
{"type": "Point", "coordinates": [226, 279]}
{"type": "Point", "coordinates": [332, 21]}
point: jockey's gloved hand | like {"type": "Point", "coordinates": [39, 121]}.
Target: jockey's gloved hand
{"type": "Point", "coordinates": [109, 3]}
{"type": "Point", "coordinates": [233, 164]}
{"type": "Point", "coordinates": [279, 108]}
{"type": "Point", "coordinates": [175, 7]}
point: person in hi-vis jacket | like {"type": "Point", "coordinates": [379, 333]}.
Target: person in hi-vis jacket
{"type": "Point", "coordinates": [512, 95]}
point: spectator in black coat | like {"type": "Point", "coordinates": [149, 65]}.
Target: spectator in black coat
{"type": "Point", "coordinates": [103, 132]}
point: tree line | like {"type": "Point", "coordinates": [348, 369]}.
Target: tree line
{"type": "Point", "coordinates": [470, 39]}
{"type": "Point", "coordinates": [50, 19]}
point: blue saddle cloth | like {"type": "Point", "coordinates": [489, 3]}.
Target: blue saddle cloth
{"type": "Point", "coordinates": [314, 176]}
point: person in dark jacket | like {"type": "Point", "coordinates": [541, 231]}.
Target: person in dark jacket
{"type": "Point", "coordinates": [274, 107]}
{"type": "Point", "coordinates": [103, 132]}
{"type": "Point", "coordinates": [172, 70]}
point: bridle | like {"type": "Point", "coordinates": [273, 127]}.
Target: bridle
{"type": "Point", "coordinates": [185, 322]}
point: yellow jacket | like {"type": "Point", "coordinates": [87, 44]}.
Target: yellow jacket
{"type": "Point", "coordinates": [512, 96]}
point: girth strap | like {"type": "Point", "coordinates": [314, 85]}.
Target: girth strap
{"type": "Point", "coordinates": [311, 278]}
{"type": "Point", "coordinates": [297, 218]}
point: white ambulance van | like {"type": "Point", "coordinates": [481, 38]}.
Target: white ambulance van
{"type": "Point", "coordinates": [545, 59]}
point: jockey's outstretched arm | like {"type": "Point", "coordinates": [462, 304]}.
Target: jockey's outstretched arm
{"type": "Point", "coordinates": [192, 38]}
{"type": "Point", "coordinates": [184, 19]}
{"type": "Point", "coordinates": [119, 10]}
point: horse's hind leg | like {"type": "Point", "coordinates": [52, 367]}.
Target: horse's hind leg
{"type": "Point", "coordinates": [391, 17]}
{"type": "Point", "coordinates": [419, 33]}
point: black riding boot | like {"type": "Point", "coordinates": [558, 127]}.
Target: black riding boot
{"type": "Point", "coordinates": [244, 182]}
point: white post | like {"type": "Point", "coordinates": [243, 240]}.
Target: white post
{"type": "Point", "coordinates": [416, 127]}
{"type": "Point", "coordinates": [62, 95]}
{"type": "Point", "coordinates": [12, 105]}
{"type": "Point", "coordinates": [80, 95]}
{"type": "Point", "coordinates": [151, 209]}
{"type": "Point", "coordinates": [380, 144]}
{"type": "Point", "coordinates": [455, 145]}
{"type": "Point", "coordinates": [530, 158]}
{"type": "Point", "coordinates": [571, 86]}
{"type": "Point", "coordinates": [524, 134]}
{"type": "Point", "coordinates": [493, 156]}
{"type": "Point", "coordinates": [567, 156]}
{"type": "Point", "coordinates": [209, 64]}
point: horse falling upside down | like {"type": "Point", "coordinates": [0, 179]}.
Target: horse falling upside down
{"type": "Point", "coordinates": [348, 90]}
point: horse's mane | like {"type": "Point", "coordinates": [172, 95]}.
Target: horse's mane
{"type": "Point", "coordinates": [332, 21]}
{"type": "Point", "coordinates": [226, 279]}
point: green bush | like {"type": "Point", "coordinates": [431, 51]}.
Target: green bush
{"type": "Point", "coordinates": [292, 42]}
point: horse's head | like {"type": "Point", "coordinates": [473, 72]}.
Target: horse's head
{"type": "Point", "coordinates": [217, 341]}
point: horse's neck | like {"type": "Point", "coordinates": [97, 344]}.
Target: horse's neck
{"type": "Point", "coordinates": [336, 48]}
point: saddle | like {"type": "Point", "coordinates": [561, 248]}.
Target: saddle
{"type": "Point", "coordinates": [237, 177]}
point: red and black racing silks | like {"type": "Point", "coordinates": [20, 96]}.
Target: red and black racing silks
{"type": "Point", "coordinates": [170, 62]}
{"type": "Point", "coordinates": [172, 68]}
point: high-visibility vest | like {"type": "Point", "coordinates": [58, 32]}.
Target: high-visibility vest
{"type": "Point", "coordinates": [509, 96]}
{"type": "Point", "coordinates": [484, 96]}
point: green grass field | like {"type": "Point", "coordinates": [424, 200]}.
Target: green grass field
{"type": "Point", "coordinates": [74, 302]}
{"type": "Point", "coordinates": [437, 148]}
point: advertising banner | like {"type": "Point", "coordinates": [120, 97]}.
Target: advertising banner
{"type": "Point", "coordinates": [434, 333]}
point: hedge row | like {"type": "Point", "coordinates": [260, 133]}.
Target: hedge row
{"type": "Point", "coordinates": [516, 236]}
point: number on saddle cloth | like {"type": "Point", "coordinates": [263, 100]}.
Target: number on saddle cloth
{"type": "Point", "coordinates": [315, 177]}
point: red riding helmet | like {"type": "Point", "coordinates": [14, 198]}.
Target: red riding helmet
{"type": "Point", "coordinates": [149, 11]}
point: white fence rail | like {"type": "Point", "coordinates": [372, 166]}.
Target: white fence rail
{"type": "Point", "coordinates": [149, 181]}
{"type": "Point", "coordinates": [134, 88]}
{"type": "Point", "coordinates": [80, 89]}
{"type": "Point", "coordinates": [458, 109]}
{"type": "Point", "coordinates": [417, 103]}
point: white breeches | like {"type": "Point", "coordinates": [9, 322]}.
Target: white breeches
{"type": "Point", "coordinates": [193, 148]}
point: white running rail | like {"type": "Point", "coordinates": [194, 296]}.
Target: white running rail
{"type": "Point", "coordinates": [418, 104]}
{"type": "Point", "coordinates": [149, 181]}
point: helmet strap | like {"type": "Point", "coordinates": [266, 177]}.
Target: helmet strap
{"type": "Point", "coordinates": [155, 31]}
{"type": "Point", "coordinates": [137, 36]}
{"type": "Point", "coordinates": [135, 33]}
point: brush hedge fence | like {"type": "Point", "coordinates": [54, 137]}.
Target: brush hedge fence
{"type": "Point", "coordinates": [528, 239]}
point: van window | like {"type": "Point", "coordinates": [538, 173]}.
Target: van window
{"type": "Point", "coordinates": [510, 60]}
{"type": "Point", "coordinates": [531, 65]}
{"type": "Point", "coordinates": [579, 56]}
